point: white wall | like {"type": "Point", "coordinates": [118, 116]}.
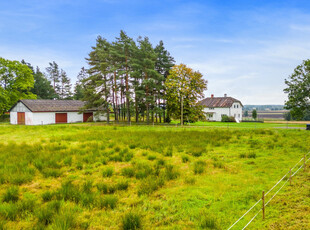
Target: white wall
{"type": "Point", "coordinates": [99, 117]}
{"type": "Point", "coordinates": [43, 118]}
{"type": "Point", "coordinates": [28, 118]}
{"type": "Point", "coordinates": [20, 107]}
{"type": "Point", "coordinates": [13, 118]}
{"type": "Point", "coordinates": [234, 111]}
{"type": "Point", "coordinates": [75, 117]}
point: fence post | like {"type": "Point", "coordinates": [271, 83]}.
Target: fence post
{"type": "Point", "coordinates": [263, 199]}
{"type": "Point", "coordinates": [290, 176]}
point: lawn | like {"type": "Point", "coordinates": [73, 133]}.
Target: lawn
{"type": "Point", "coordinates": [94, 176]}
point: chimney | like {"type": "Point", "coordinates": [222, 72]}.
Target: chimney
{"type": "Point", "coordinates": [225, 95]}
{"type": "Point", "coordinates": [212, 95]}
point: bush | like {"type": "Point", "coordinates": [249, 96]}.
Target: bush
{"type": "Point", "coordinates": [199, 167]}
{"type": "Point", "coordinates": [131, 221]}
{"type": "Point", "coordinates": [108, 172]}
{"type": "Point", "coordinates": [11, 194]}
{"type": "Point", "coordinates": [226, 118]}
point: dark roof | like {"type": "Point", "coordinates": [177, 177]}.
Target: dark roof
{"type": "Point", "coordinates": [52, 105]}
{"type": "Point", "coordinates": [219, 102]}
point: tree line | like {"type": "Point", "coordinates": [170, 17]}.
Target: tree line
{"type": "Point", "coordinates": [131, 79]}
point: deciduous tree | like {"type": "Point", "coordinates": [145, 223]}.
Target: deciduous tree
{"type": "Point", "coordinates": [298, 90]}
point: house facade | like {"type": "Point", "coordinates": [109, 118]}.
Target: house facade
{"type": "Point", "coordinates": [216, 107]}
{"type": "Point", "coordinates": [44, 112]}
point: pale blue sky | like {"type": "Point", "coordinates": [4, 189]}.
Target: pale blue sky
{"type": "Point", "coordinates": [243, 48]}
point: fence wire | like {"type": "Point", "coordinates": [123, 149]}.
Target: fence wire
{"type": "Point", "coordinates": [305, 161]}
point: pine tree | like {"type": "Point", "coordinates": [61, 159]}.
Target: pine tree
{"type": "Point", "coordinates": [79, 87]}
{"type": "Point", "coordinates": [64, 87]}
{"type": "Point", "coordinates": [99, 84]}
{"type": "Point", "coordinates": [53, 73]}
{"type": "Point", "coordinates": [164, 63]}
{"type": "Point", "coordinates": [42, 86]}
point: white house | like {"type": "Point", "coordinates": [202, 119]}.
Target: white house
{"type": "Point", "coordinates": [43, 112]}
{"type": "Point", "coordinates": [216, 107]}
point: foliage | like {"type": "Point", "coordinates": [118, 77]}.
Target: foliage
{"type": "Point", "coordinates": [226, 118]}
{"type": "Point", "coordinates": [184, 89]}
{"type": "Point", "coordinates": [298, 85]}
{"type": "Point", "coordinates": [246, 113]}
{"type": "Point", "coordinates": [254, 114]}
{"type": "Point", "coordinates": [16, 82]}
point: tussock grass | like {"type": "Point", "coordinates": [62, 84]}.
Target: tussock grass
{"type": "Point", "coordinates": [68, 175]}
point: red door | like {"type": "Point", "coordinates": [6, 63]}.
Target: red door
{"type": "Point", "coordinates": [86, 116]}
{"type": "Point", "coordinates": [20, 118]}
{"type": "Point", "coordinates": [61, 118]}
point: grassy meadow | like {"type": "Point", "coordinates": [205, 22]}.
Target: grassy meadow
{"type": "Point", "coordinates": [94, 176]}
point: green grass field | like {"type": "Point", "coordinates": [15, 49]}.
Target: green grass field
{"type": "Point", "coordinates": [94, 176]}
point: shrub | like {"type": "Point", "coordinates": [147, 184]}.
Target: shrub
{"type": "Point", "coordinates": [226, 118]}
{"type": "Point", "coordinates": [11, 194]}
{"type": "Point", "coordinates": [128, 172]}
{"type": "Point", "coordinates": [108, 201]}
{"type": "Point", "coordinates": [131, 221]}
{"type": "Point", "coordinates": [199, 167]}
{"type": "Point", "coordinates": [108, 172]}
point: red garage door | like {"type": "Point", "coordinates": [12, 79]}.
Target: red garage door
{"type": "Point", "coordinates": [20, 118]}
{"type": "Point", "coordinates": [61, 118]}
{"type": "Point", "coordinates": [86, 116]}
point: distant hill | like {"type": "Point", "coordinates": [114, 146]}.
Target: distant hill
{"type": "Point", "coordinates": [263, 107]}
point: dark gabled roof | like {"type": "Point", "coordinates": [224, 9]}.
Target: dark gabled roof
{"type": "Point", "coordinates": [52, 105]}
{"type": "Point", "coordinates": [219, 102]}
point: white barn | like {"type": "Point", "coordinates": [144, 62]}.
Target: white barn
{"type": "Point", "coordinates": [217, 107]}
{"type": "Point", "coordinates": [43, 112]}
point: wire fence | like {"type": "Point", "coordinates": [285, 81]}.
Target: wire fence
{"type": "Point", "coordinates": [286, 178]}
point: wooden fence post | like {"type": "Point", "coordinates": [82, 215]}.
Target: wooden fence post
{"type": "Point", "coordinates": [290, 176]}
{"type": "Point", "coordinates": [263, 199]}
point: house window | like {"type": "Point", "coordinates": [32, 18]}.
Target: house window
{"type": "Point", "coordinates": [211, 108]}
{"type": "Point", "coordinates": [238, 115]}
{"type": "Point", "coordinates": [237, 106]}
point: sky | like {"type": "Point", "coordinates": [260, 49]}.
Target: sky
{"type": "Point", "coordinates": [245, 49]}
